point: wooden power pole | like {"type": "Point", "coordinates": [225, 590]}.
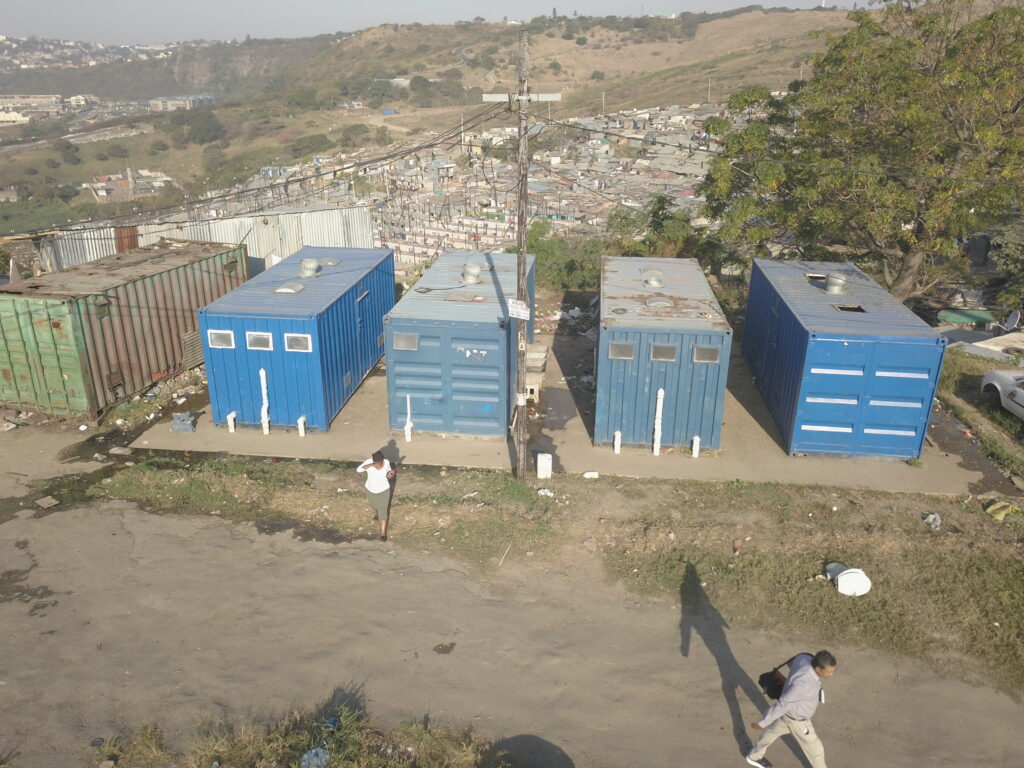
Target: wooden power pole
{"type": "Point", "coordinates": [521, 309]}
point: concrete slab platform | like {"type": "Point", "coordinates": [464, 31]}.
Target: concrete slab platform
{"type": "Point", "coordinates": [752, 448]}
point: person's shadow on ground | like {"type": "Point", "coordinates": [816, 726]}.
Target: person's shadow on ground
{"type": "Point", "coordinates": [699, 615]}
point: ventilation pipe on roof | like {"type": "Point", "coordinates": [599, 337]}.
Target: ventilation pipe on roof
{"type": "Point", "coordinates": [653, 280]}
{"type": "Point", "coordinates": [834, 283]}
{"type": "Point", "coordinates": [308, 267]}
{"type": "Point", "coordinates": [471, 273]}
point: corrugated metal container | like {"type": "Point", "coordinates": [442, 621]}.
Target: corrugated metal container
{"type": "Point", "coordinates": [313, 325]}
{"type": "Point", "coordinates": [451, 346]}
{"type": "Point", "coordinates": [844, 367]}
{"type": "Point", "coordinates": [77, 342]}
{"type": "Point", "coordinates": [269, 237]}
{"type": "Point", "coordinates": [661, 328]}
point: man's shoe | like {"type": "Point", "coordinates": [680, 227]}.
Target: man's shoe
{"type": "Point", "coordinates": [761, 762]}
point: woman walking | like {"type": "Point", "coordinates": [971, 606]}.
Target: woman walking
{"type": "Point", "coordinates": [379, 475]}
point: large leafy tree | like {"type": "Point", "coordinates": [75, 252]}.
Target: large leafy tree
{"type": "Point", "coordinates": [909, 133]}
{"type": "Point", "coordinates": [656, 229]}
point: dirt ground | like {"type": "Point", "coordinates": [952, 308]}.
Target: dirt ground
{"type": "Point", "coordinates": [115, 617]}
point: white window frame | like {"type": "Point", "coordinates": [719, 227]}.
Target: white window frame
{"type": "Point", "coordinates": [405, 337]}
{"type": "Point", "coordinates": [269, 336]}
{"type": "Point", "coordinates": [307, 336]}
{"type": "Point", "coordinates": [209, 339]}
{"type": "Point", "coordinates": [663, 347]}
{"type": "Point", "coordinates": [615, 350]}
{"type": "Point", "coordinates": [716, 350]}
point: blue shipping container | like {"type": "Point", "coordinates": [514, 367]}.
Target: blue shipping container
{"type": "Point", "coordinates": [316, 332]}
{"type": "Point", "coordinates": [451, 346]}
{"type": "Point", "coordinates": [661, 329]}
{"type": "Point", "coordinates": [844, 367]}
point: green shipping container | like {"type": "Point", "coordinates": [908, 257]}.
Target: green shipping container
{"type": "Point", "coordinates": [76, 342]}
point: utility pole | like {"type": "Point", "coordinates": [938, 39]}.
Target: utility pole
{"type": "Point", "coordinates": [520, 100]}
{"type": "Point", "coordinates": [602, 103]}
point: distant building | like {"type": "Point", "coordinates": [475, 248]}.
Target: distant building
{"type": "Point", "coordinates": [127, 186]}
{"type": "Point", "coordinates": [172, 103]}
{"type": "Point", "coordinates": [43, 105]}
{"type": "Point", "coordinates": [8, 195]}
{"type": "Point", "coordinates": [13, 118]}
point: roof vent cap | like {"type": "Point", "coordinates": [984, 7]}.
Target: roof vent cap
{"type": "Point", "coordinates": [653, 279]}
{"type": "Point", "coordinates": [308, 267]}
{"type": "Point", "coordinates": [471, 273]}
{"type": "Point", "coordinates": [834, 283]}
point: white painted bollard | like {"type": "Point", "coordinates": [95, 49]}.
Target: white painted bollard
{"type": "Point", "coordinates": [617, 444]}
{"type": "Point", "coordinates": [408, 419]}
{"type": "Point", "coordinates": [658, 410]}
{"type": "Point", "coordinates": [696, 446]}
{"type": "Point", "coordinates": [231, 421]}
{"type": "Point", "coordinates": [301, 424]}
{"type": "Point", "coordinates": [544, 463]}
{"type": "Point", "coordinates": [265, 410]}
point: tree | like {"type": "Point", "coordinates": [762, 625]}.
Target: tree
{"type": "Point", "coordinates": [909, 134]}
{"type": "Point", "coordinates": [117, 150]}
{"type": "Point", "coordinates": [656, 229]}
{"type": "Point", "coordinates": [204, 127]}
{"type": "Point", "coordinates": [1008, 255]}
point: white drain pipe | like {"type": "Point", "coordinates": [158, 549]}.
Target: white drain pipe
{"type": "Point", "coordinates": [659, 408]}
{"type": "Point", "coordinates": [696, 446]}
{"type": "Point", "coordinates": [301, 424]}
{"type": "Point", "coordinates": [408, 419]}
{"type": "Point", "coordinates": [265, 410]}
{"type": "Point", "coordinates": [231, 421]}
{"type": "Point", "coordinates": [617, 444]}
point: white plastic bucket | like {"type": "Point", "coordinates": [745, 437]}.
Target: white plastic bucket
{"type": "Point", "coordinates": [849, 581]}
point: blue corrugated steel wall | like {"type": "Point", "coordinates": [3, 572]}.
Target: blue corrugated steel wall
{"type": "Point", "coordinates": [835, 393]}
{"type": "Point", "coordinates": [347, 342]}
{"type": "Point", "coordinates": [694, 392]}
{"type": "Point", "coordinates": [461, 377]}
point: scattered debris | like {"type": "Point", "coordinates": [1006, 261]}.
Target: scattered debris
{"type": "Point", "coordinates": [1000, 510]}
{"type": "Point", "coordinates": [933, 520]}
{"type": "Point", "coordinates": [470, 495]}
{"type": "Point", "coordinates": [120, 450]}
{"type": "Point", "coordinates": [444, 648]}
{"type": "Point", "coordinates": [7, 426]}
{"type": "Point", "coordinates": [849, 581]}
{"type": "Point", "coordinates": [83, 427]}
{"type": "Point", "coordinates": [99, 457]}
{"type": "Point", "coordinates": [591, 475]}
{"type": "Point", "coordinates": [46, 502]}
{"type": "Point", "coordinates": [545, 492]}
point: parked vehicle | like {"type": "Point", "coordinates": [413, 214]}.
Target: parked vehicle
{"type": "Point", "coordinates": [1005, 389]}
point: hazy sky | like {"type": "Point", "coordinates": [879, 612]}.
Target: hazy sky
{"type": "Point", "coordinates": [154, 21]}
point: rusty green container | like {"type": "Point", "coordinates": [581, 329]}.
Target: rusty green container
{"type": "Point", "coordinates": [76, 342]}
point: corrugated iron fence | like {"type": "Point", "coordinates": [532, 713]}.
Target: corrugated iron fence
{"type": "Point", "coordinates": [269, 237]}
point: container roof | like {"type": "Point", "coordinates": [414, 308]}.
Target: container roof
{"type": "Point", "coordinates": [638, 292]}
{"type": "Point", "coordinates": [337, 271]}
{"type": "Point", "coordinates": [862, 307]}
{"type": "Point", "coordinates": [444, 293]}
{"type": "Point", "coordinates": [97, 276]}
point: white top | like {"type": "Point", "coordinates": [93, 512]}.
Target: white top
{"type": "Point", "coordinates": [376, 479]}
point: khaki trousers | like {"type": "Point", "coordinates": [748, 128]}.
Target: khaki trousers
{"type": "Point", "coordinates": [803, 732]}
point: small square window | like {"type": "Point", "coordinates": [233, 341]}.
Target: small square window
{"type": "Point", "coordinates": [665, 353]}
{"type": "Point", "coordinates": [620, 351]}
{"type": "Point", "coordinates": [408, 342]}
{"type": "Point", "coordinates": [705, 354]}
{"type": "Point", "coordinates": [259, 340]}
{"type": "Point", "coordinates": [298, 342]}
{"type": "Point", "coordinates": [221, 339]}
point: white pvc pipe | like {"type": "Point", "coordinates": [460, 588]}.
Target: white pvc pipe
{"type": "Point", "coordinates": [301, 423]}
{"type": "Point", "coordinates": [231, 421]}
{"type": "Point", "coordinates": [659, 408]}
{"type": "Point", "coordinates": [408, 419]}
{"type": "Point", "coordinates": [617, 445]}
{"type": "Point", "coordinates": [265, 410]}
{"type": "Point", "coordinates": [696, 446]}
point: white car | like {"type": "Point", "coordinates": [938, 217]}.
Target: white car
{"type": "Point", "coordinates": [1006, 389]}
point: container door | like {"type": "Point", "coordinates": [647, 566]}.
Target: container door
{"type": "Point", "coordinates": [477, 385]}
{"type": "Point", "coordinates": [366, 333]}
{"type": "Point", "coordinates": [416, 388]}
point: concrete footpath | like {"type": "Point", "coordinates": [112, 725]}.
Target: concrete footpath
{"type": "Point", "coordinates": [751, 444]}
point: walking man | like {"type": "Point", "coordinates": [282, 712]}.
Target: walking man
{"type": "Point", "coordinates": [796, 706]}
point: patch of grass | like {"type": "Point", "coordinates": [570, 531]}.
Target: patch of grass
{"type": "Point", "coordinates": [947, 598]}
{"type": "Point", "coordinates": [351, 741]}
{"type": "Point", "coordinates": [237, 488]}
